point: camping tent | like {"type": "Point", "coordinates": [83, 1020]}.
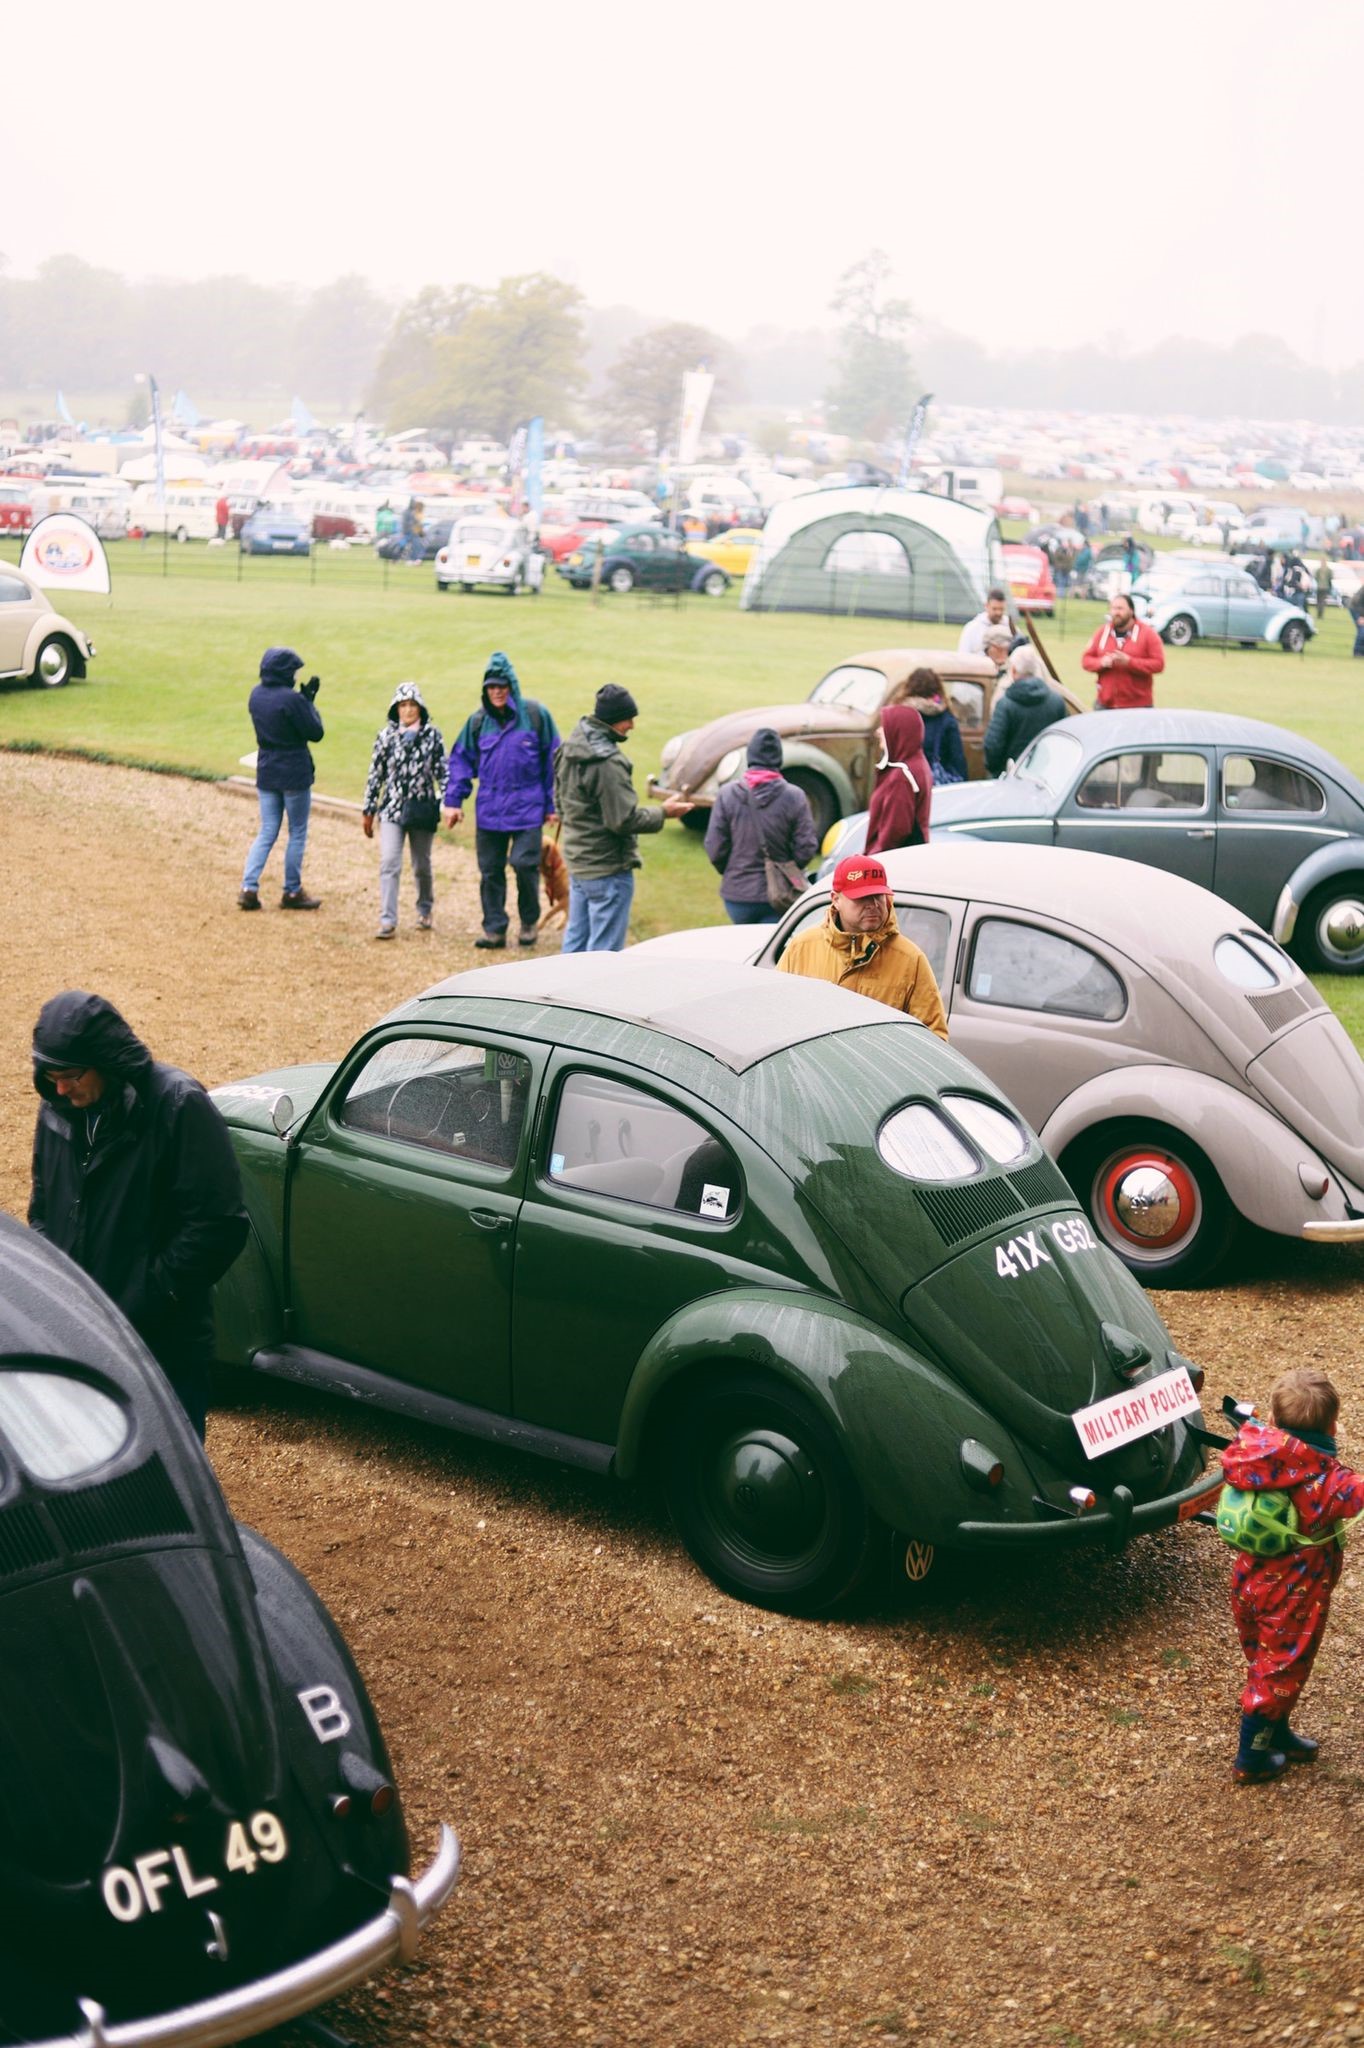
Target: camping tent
{"type": "Point", "coordinates": [876, 553]}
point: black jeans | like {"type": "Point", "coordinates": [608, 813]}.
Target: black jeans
{"type": "Point", "coordinates": [494, 850]}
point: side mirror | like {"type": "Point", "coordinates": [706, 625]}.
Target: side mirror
{"type": "Point", "coordinates": [282, 1113]}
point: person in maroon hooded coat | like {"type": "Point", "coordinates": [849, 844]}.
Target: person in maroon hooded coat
{"type": "Point", "coordinates": [903, 796]}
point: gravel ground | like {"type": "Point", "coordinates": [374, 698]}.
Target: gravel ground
{"type": "Point", "coordinates": [1001, 1815]}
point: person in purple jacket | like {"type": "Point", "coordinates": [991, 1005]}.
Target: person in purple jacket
{"type": "Point", "coordinates": [507, 747]}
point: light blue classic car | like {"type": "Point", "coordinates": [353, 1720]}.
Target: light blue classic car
{"type": "Point", "coordinates": [1265, 819]}
{"type": "Point", "coordinates": [1203, 597]}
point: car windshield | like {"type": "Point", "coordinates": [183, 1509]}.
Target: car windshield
{"type": "Point", "coordinates": [1050, 762]}
{"type": "Point", "coordinates": [863, 689]}
{"type": "Point", "coordinates": [471, 535]}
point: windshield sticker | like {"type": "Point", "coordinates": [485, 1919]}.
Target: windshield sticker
{"type": "Point", "coordinates": [714, 1200]}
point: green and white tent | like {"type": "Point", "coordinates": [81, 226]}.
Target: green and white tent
{"type": "Point", "coordinates": [875, 553]}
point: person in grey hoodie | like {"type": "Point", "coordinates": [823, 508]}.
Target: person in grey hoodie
{"type": "Point", "coordinates": [1027, 707]}
{"type": "Point", "coordinates": [594, 796]}
{"type": "Point", "coordinates": [758, 816]}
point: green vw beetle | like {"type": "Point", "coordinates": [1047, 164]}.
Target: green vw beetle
{"type": "Point", "coordinates": [778, 1246]}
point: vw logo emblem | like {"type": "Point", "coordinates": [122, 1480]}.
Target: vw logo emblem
{"type": "Point", "coordinates": [918, 1560]}
{"type": "Point", "coordinates": [746, 1497]}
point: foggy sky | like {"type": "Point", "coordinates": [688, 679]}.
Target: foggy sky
{"type": "Point", "coordinates": [1040, 175]}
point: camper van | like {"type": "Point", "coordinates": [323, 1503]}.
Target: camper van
{"type": "Point", "coordinates": [189, 511]}
{"type": "Point", "coordinates": [103, 504]}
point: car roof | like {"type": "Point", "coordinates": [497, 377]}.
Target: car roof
{"type": "Point", "coordinates": [1102, 732]}
{"type": "Point", "coordinates": [1063, 883]}
{"type": "Point", "coordinates": [723, 1009]}
{"type": "Point", "coordinates": [897, 664]}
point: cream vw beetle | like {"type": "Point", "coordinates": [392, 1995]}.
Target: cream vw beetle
{"type": "Point", "coordinates": [1182, 1070]}
{"type": "Point", "coordinates": [37, 645]}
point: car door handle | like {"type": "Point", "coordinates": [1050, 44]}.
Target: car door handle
{"type": "Point", "coordinates": [490, 1219]}
{"type": "Point", "coordinates": [1200, 832]}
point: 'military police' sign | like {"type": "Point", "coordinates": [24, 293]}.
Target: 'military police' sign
{"type": "Point", "coordinates": [1122, 1418]}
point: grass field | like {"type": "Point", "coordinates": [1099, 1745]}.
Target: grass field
{"type": "Point", "coordinates": [180, 642]}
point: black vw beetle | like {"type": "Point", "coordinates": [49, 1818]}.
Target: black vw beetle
{"type": "Point", "coordinates": [199, 1833]}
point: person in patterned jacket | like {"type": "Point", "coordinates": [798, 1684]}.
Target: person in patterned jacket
{"type": "Point", "coordinates": [406, 776]}
{"type": "Point", "coordinates": [1280, 1604]}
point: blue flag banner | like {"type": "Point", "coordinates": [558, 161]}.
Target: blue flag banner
{"type": "Point", "coordinates": [912, 437]}
{"type": "Point", "coordinates": [62, 411]}
{"type": "Point", "coordinates": [304, 423]}
{"type": "Point", "coordinates": [184, 413]}
{"type": "Point", "coordinates": [535, 467]}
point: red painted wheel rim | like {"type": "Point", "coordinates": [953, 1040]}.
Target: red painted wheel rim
{"type": "Point", "coordinates": [1130, 1180]}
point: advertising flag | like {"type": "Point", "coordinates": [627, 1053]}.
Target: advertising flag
{"type": "Point", "coordinates": [535, 468]}
{"type": "Point", "coordinates": [160, 449]}
{"type": "Point", "coordinates": [64, 411]}
{"type": "Point", "coordinates": [63, 552]}
{"type": "Point", "coordinates": [913, 435]}
{"type": "Point", "coordinates": [697, 386]}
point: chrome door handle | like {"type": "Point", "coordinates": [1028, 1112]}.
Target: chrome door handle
{"type": "Point", "coordinates": [490, 1219]}
{"type": "Point", "coordinates": [1203, 832]}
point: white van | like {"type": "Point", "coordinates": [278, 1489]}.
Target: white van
{"type": "Point", "coordinates": [103, 505]}
{"type": "Point", "coordinates": [189, 511]}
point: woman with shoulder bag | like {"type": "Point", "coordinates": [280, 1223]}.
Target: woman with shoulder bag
{"type": "Point", "coordinates": [761, 836]}
{"type": "Point", "coordinates": [406, 776]}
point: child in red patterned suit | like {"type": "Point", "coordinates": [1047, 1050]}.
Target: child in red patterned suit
{"type": "Point", "coordinates": [1280, 1604]}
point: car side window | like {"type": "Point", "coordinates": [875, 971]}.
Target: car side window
{"type": "Point", "coordinates": [640, 543]}
{"type": "Point", "coordinates": [612, 1139]}
{"type": "Point", "coordinates": [1250, 783]}
{"type": "Point", "coordinates": [930, 930]}
{"type": "Point", "coordinates": [465, 1101]}
{"type": "Point", "coordinates": [1026, 968]}
{"type": "Point", "coordinates": [12, 591]}
{"type": "Point", "coordinates": [967, 703]}
{"type": "Point", "coordinates": [1147, 781]}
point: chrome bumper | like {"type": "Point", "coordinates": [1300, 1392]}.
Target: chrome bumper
{"type": "Point", "coordinates": [274, 2000]}
{"type": "Point", "coordinates": [1350, 1230]}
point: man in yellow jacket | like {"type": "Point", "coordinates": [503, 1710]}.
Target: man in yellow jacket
{"type": "Point", "coordinates": [860, 946]}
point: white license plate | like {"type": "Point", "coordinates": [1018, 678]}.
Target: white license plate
{"type": "Point", "coordinates": [1124, 1418]}
{"type": "Point", "coordinates": [472, 561]}
{"type": "Point", "coordinates": [282, 546]}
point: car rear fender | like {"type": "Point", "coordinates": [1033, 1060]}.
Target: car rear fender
{"type": "Point", "coordinates": [1276, 622]}
{"type": "Point", "coordinates": [1327, 864]}
{"type": "Point", "coordinates": [796, 754]}
{"type": "Point", "coordinates": [900, 1419]}
{"type": "Point", "coordinates": [1253, 1152]}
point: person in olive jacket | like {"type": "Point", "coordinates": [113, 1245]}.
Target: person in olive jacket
{"type": "Point", "coordinates": [594, 795]}
{"type": "Point", "coordinates": [1027, 707]}
{"type": "Point", "coordinates": [134, 1177]}
{"type": "Point", "coordinates": [758, 816]}
{"type": "Point", "coordinates": [285, 720]}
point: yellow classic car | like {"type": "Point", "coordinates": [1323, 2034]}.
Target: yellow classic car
{"type": "Point", "coordinates": [731, 551]}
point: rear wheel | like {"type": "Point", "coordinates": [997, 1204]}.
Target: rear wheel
{"type": "Point", "coordinates": [716, 584]}
{"type": "Point", "coordinates": [1293, 637]}
{"type": "Point", "coordinates": [1181, 631]}
{"type": "Point", "coordinates": [1330, 931]}
{"type": "Point", "coordinates": [764, 1498]}
{"type": "Point", "coordinates": [1155, 1200]}
{"type": "Point", "coordinates": [182, 534]}
{"type": "Point", "coordinates": [819, 795]}
{"type": "Point", "coordinates": [621, 579]}
{"type": "Point", "coordinates": [53, 666]}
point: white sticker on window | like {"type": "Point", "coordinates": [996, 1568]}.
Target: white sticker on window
{"type": "Point", "coordinates": [556, 1162]}
{"type": "Point", "coordinates": [714, 1201]}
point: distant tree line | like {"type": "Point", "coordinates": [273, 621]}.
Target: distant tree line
{"type": "Point", "coordinates": [462, 358]}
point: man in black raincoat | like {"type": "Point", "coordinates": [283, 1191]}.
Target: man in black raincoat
{"type": "Point", "coordinates": [134, 1178]}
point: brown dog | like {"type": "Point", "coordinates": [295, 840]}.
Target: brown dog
{"type": "Point", "coordinates": [554, 881]}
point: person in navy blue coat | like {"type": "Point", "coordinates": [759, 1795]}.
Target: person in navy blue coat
{"type": "Point", "coordinates": [285, 719]}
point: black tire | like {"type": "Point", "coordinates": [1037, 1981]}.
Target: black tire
{"type": "Point", "coordinates": [54, 664]}
{"type": "Point", "coordinates": [1329, 936]}
{"type": "Point", "coordinates": [818, 793]}
{"type": "Point", "coordinates": [763, 1496]}
{"type": "Point", "coordinates": [1181, 631]}
{"type": "Point", "coordinates": [621, 579]}
{"type": "Point", "coordinates": [1293, 637]}
{"type": "Point", "coordinates": [442, 589]}
{"type": "Point", "coordinates": [715, 584]}
{"type": "Point", "coordinates": [1202, 1225]}
{"type": "Point", "coordinates": [182, 535]}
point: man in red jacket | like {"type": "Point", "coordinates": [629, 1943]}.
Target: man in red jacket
{"type": "Point", "coordinates": [1124, 655]}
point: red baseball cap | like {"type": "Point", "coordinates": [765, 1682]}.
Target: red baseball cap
{"type": "Point", "coordinates": [856, 875]}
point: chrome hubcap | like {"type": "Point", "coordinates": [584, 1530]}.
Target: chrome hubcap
{"type": "Point", "coordinates": [52, 664]}
{"type": "Point", "coordinates": [1146, 1202]}
{"type": "Point", "coordinates": [1341, 928]}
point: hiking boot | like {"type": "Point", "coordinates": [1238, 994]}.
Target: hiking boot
{"type": "Point", "coordinates": [1260, 1755]}
{"type": "Point", "coordinates": [248, 900]}
{"type": "Point", "coordinates": [1299, 1749]}
{"type": "Point", "coordinates": [529, 934]}
{"type": "Point", "coordinates": [387, 931]}
{"type": "Point", "coordinates": [424, 921]}
{"type": "Point", "coordinates": [491, 942]}
{"type": "Point", "coordinates": [299, 899]}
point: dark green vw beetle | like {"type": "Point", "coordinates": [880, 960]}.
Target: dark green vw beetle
{"type": "Point", "coordinates": [772, 1242]}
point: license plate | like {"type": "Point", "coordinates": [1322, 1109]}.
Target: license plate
{"type": "Point", "coordinates": [473, 560]}
{"type": "Point", "coordinates": [282, 546]}
{"type": "Point", "coordinates": [1125, 1418]}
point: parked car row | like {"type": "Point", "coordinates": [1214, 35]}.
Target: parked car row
{"type": "Point", "coordinates": [640, 557]}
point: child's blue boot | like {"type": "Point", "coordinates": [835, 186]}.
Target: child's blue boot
{"type": "Point", "coordinates": [1261, 1753]}
{"type": "Point", "coordinates": [1299, 1749]}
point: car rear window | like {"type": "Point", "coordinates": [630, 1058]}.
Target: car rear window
{"type": "Point", "coordinates": [1252, 782]}
{"type": "Point", "coordinates": [1024, 967]}
{"type": "Point", "coordinates": [59, 1427]}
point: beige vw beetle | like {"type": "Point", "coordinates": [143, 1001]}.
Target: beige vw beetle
{"type": "Point", "coordinates": [37, 645]}
{"type": "Point", "coordinates": [1178, 1065]}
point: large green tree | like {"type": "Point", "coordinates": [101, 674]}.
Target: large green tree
{"type": "Point", "coordinates": [873, 385]}
{"type": "Point", "coordinates": [644, 384]}
{"type": "Point", "coordinates": [463, 360]}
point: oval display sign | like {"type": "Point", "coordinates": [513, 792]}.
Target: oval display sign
{"type": "Point", "coordinates": [64, 552]}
